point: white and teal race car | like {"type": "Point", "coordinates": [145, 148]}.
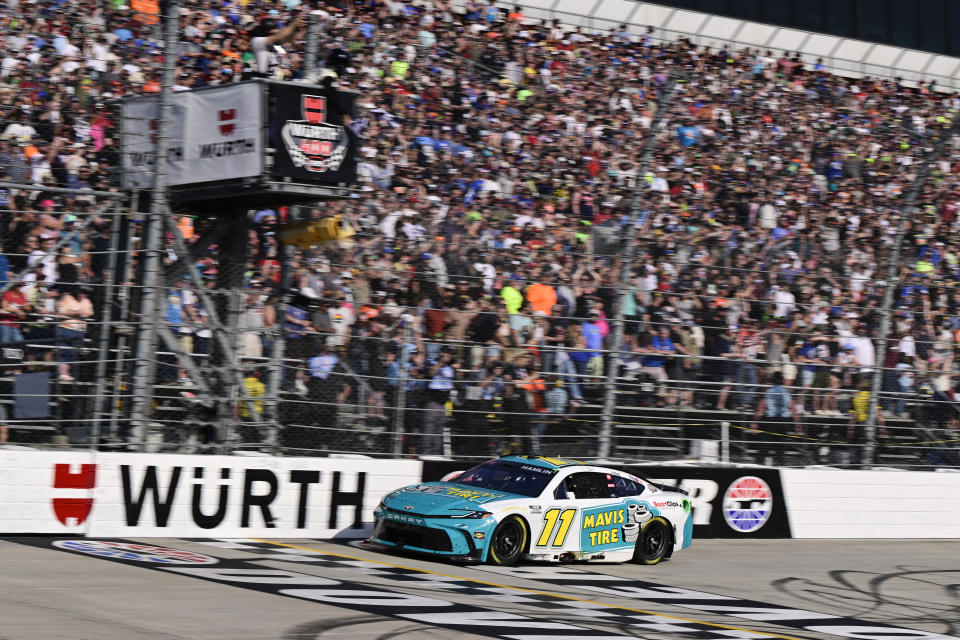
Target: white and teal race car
{"type": "Point", "coordinates": [537, 508]}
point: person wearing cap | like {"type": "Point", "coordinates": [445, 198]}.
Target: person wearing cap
{"type": "Point", "coordinates": [265, 39]}
{"type": "Point", "coordinates": [327, 387]}
{"type": "Point", "coordinates": [49, 221]}
{"type": "Point", "coordinates": [726, 348]}
{"type": "Point", "coordinates": [12, 160]}
{"type": "Point", "coordinates": [775, 411]}
{"type": "Point", "coordinates": [442, 375]}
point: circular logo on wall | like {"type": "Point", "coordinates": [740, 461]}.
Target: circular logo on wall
{"type": "Point", "coordinates": [747, 504]}
{"type": "Point", "coordinates": [133, 551]}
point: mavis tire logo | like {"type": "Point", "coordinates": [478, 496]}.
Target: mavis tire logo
{"type": "Point", "coordinates": [311, 143]}
{"type": "Point", "coordinates": [747, 504]}
{"type": "Point", "coordinates": [133, 551]}
{"type": "Point", "coordinates": [73, 508]}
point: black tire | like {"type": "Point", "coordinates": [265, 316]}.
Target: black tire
{"type": "Point", "coordinates": [508, 542]}
{"type": "Point", "coordinates": [653, 545]}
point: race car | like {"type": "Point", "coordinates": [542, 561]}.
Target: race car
{"type": "Point", "coordinates": [537, 508]}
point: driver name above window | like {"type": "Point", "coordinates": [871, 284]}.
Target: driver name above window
{"type": "Point", "coordinates": [503, 475]}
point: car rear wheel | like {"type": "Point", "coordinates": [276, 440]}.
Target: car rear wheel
{"type": "Point", "coordinates": [508, 541]}
{"type": "Point", "coordinates": [653, 543]}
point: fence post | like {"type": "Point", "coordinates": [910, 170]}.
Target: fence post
{"type": "Point", "coordinates": [146, 357]}
{"type": "Point", "coordinates": [629, 253]}
{"type": "Point", "coordinates": [103, 349]}
{"type": "Point", "coordinates": [725, 442]}
{"type": "Point", "coordinates": [400, 401]}
{"type": "Point", "coordinates": [893, 267]}
{"type": "Point", "coordinates": [310, 55]}
{"type": "Point", "coordinates": [278, 351]}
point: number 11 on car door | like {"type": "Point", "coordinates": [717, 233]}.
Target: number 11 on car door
{"type": "Point", "coordinates": [556, 527]}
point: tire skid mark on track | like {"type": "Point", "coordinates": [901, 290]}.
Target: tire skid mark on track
{"type": "Point", "coordinates": [631, 589]}
{"type": "Point", "coordinates": [706, 602]}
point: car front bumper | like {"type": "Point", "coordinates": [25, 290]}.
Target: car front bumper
{"type": "Point", "coordinates": [455, 538]}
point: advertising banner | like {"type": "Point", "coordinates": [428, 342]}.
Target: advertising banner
{"type": "Point", "coordinates": [215, 134]}
{"type": "Point", "coordinates": [127, 494]}
{"type": "Point", "coordinates": [308, 132]}
{"type": "Point", "coordinates": [142, 495]}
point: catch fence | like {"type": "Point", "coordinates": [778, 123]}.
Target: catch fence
{"type": "Point", "coordinates": [150, 327]}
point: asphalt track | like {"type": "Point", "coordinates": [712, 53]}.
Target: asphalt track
{"type": "Point", "coordinates": [63, 589]}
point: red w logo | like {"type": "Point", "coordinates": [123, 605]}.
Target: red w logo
{"type": "Point", "coordinates": [227, 119]}
{"type": "Point", "coordinates": [314, 109]}
{"type": "Point", "coordinates": [76, 508]}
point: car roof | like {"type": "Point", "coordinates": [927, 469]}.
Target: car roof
{"type": "Point", "coordinates": [546, 462]}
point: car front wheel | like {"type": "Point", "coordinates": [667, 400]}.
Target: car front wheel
{"type": "Point", "coordinates": [508, 542]}
{"type": "Point", "coordinates": [653, 543]}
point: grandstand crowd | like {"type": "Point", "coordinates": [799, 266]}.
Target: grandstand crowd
{"type": "Point", "coordinates": [498, 160]}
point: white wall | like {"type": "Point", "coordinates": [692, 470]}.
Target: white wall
{"type": "Point", "coordinates": [820, 503]}
{"type": "Point", "coordinates": [872, 504]}
{"type": "Point", "coordinates": [27, 494]}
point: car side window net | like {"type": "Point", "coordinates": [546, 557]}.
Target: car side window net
{"type": "Point", "coordinates": [588, 486]}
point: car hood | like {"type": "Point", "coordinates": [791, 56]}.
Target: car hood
{"type": "Point", "coordinates": [442, 498]}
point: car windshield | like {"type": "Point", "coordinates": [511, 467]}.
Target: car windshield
{"type": "Point", "coordinates": [512, 477]}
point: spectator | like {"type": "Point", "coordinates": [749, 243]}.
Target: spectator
{"type": "Point", "coordinates": [905, 380]}
{"type": "Point", "coordinates": [442, 375]}
{"type": "Point", "coordinates": [486, 174]}
{"type": "Point", "coordinates": [535, 388]}
{"type": "Point", "coordinates": [13, 309]}
{"type": "Point", "coordinates": [255, 390]}
{"type": "Point", "coordinates": [75, 308]}
{"type": "Point", "coordinates": [859, 415]}
{"type": "Point", "coordinates": [725, 347]}
{"type": "Point", "coordinates": [327, 389]}
{"type": "Point", "coordinates": [777, 409]}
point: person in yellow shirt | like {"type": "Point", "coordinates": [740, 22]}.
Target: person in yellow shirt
{"type": "Point", "coordinates": [399, 69]}
{"type": "Point", "coordinates": [859, 415]}
{"type": "Point", "coordinates": [253, 388]}
{"type": "Point", "coordinates": [511, 295]}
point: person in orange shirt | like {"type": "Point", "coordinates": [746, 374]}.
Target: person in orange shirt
{"type": "Point", "coordinates": [541, 297]}
{"type": "Point", "coordinates": [534, 387]}
{"type": "Point", "coordinates": [516, 15]}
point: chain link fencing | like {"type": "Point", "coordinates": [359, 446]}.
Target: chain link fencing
{"type": "Point", "coordinates": [262, 348]}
